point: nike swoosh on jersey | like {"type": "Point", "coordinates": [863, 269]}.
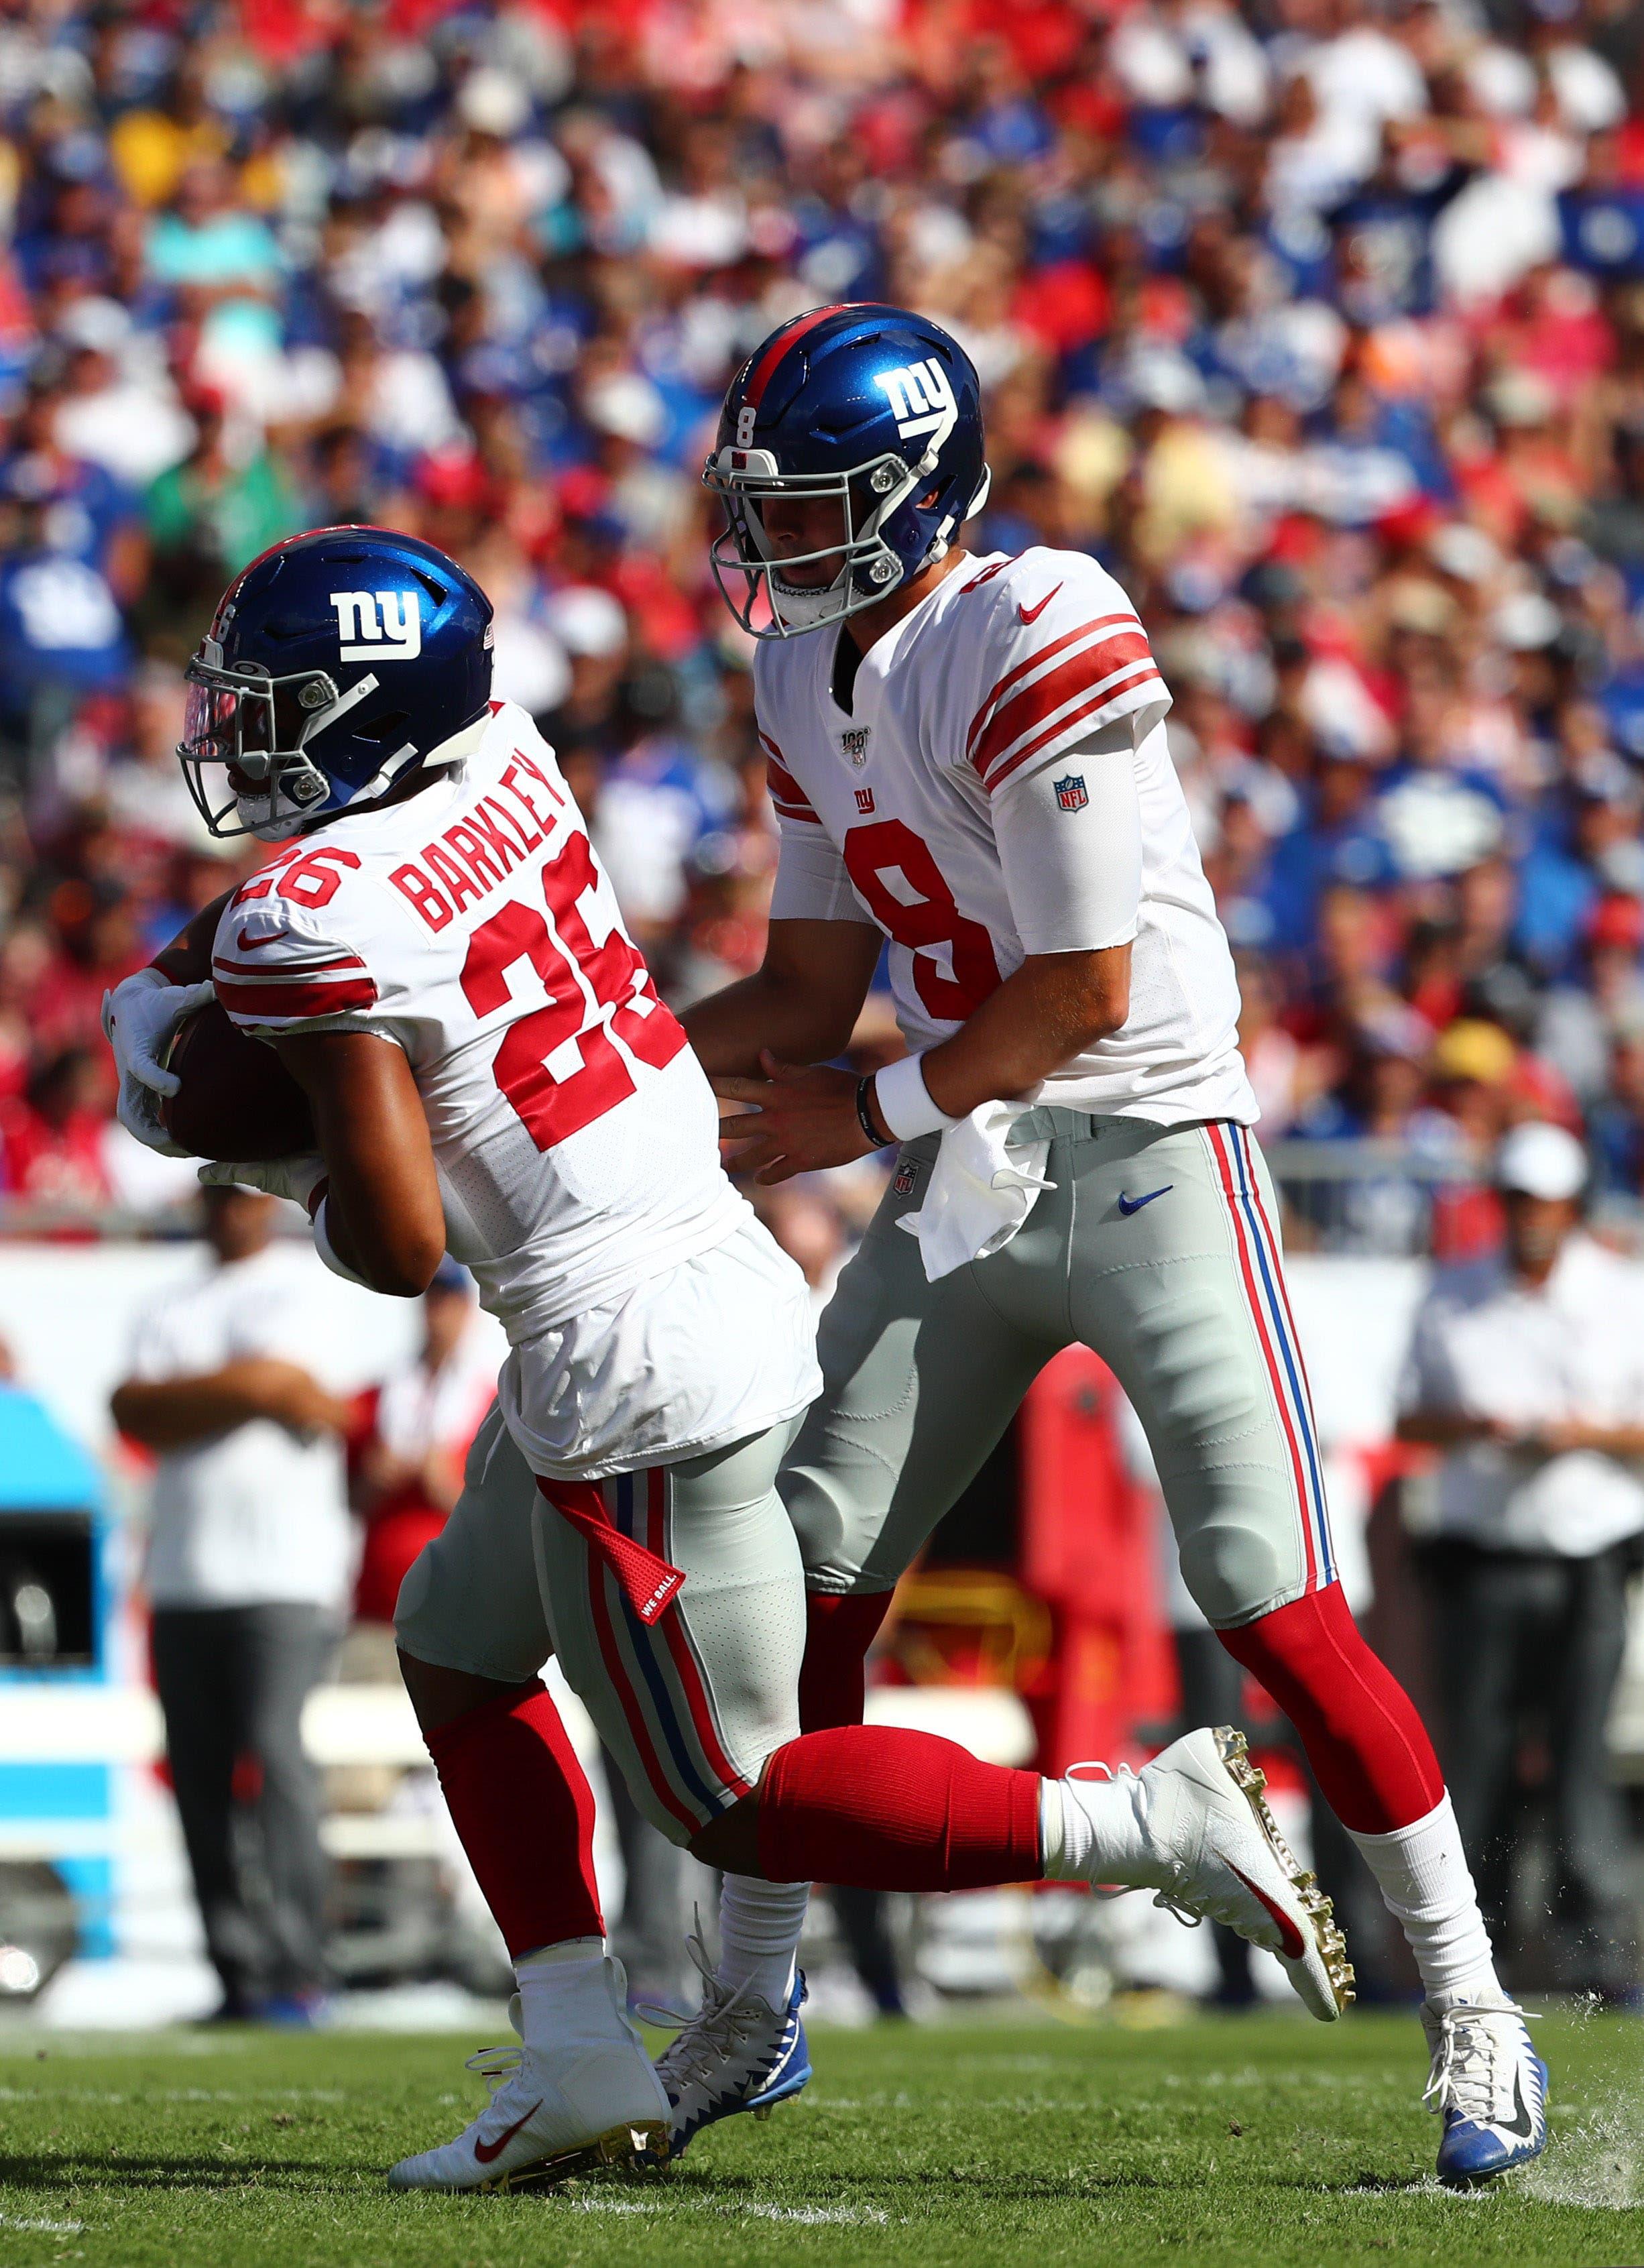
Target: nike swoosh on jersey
{"type": "Point", "coordinates": [1128, 1205]}
{"type": "Point", "coordinates": [485, 2151]}
{"type": "Point", "coordinates": [245, 944]}
{"type": "Point", "coordinates": [1031, 615]}
{"type": "Point", "coordinates": [1290, 1940]}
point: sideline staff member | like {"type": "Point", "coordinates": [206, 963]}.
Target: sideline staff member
{"type": "Point", "coordinates": [1527, 1370]}
{"type": "Point", "coordinates": [250, 1557]}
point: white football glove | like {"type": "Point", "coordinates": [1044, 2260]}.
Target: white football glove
{"type": "Point", "coordinates": [140, 1018]}
{"type": "Point", "coordinates": [297, 1178]}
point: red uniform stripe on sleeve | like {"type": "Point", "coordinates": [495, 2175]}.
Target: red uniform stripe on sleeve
{"type": "Point", "coordinates": [1080, 673]}
{"type": "Point", "coordinates": [1037, 661]}
{"type": "Point", "coordinates": [285, 968]}
{"type": "Point", "coordinates": [1103, 697]}
{"type": "Point", "coordinates": [786, 793]}
{"type": "Point", "coordinates": [790, 335]}
{"type": "Point", "coordinates": [256, 1002]}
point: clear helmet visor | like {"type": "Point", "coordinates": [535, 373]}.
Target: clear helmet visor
{"type": "Point", "coordinates": [241, 752]}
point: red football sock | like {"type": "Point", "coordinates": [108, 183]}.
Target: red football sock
{"type": "Point", "coordinates": [525, 1814]}
{"type": "Point", "coordinates": [834, 1680]}
{"type": "Point", "coordinates": [1368, 1749]}
{"type": "Point", "coordinates": [872, 1807]}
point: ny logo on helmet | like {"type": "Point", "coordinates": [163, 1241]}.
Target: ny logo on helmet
{"type": "Point", "coordinates": [921, 399]}
{"type": "Point", "coordinates": [398, 637]}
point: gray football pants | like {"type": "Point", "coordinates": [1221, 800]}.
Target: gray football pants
{"type": "Point", "coordinates": [690, 1705]}
{"type": "Point", "coordinates": [1158, 1247]}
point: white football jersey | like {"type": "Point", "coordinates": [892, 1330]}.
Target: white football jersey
{"type": "Point", "coordinates": [574, 1131]}
{"type": "Point", "coordinates": [981, 693]}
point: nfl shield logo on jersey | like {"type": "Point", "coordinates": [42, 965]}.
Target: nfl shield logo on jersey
{"type": "Point", "coordinates": [854, 743]}
{"type": "Point", "coordinates": [1070, 792]}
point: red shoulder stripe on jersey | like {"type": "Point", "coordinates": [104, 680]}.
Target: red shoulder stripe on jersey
{"type": "Point", "coordinates": [1099, 699]}
{"type": "Point", "coordinates": [790, 335]}
{"type": "Point", "coordinates": [256, 1002]}
{"type": "Point", "coordinates": [1037, 661]}
{"type": "Point", "coordinates": [1097, 665]}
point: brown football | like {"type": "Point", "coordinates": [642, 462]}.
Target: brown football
{"type": "Point", "coordinates": [237, 1101]}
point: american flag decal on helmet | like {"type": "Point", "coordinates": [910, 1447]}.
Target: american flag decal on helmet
{"type": "Point", "coordinates": [1070, 792]}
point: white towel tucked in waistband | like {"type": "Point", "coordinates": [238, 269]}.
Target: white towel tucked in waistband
{"type": "Point", "coordinates": [981, 1192]}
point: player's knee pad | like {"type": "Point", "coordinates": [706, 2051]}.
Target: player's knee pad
{"type": "Point", "coordinates": [415, 1586]}
{"type": "Point", "coordinates": [1235, 1567]}
{"type": "Point", "coordinates": [832, 1532]}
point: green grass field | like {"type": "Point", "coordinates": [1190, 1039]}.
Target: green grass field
{"type": "Point", "coordinates": [1267, 2139]}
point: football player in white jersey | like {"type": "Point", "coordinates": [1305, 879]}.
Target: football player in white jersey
{"type": "Point", "coordinates": [439, 962]}
{"type": "Point", "coordinates": [967, 758]}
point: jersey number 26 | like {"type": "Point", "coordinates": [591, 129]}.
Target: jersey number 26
{"type": "Point", "coordinates": [591, 1076]}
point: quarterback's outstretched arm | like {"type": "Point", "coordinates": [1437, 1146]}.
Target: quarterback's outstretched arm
{"type": "Point", "coordinates": [1075, 893]}
{"type": "Point", "coordinates": [383, 1218]}
{"type": "Point", "coordinates": [801, 1002]}
{"type": "Point", "coordinates": [1053, 1007]}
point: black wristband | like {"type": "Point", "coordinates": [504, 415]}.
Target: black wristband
{"type": "Point", "coordinates": [864, 1114]}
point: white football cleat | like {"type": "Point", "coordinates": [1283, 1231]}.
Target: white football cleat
{"type": "Point", "coordinates": [1221, 1857]}
{"type": "Point", "coordinates": [589, 2098]}
{"type": "Point", "coordinates": [1489, 2087]}
{"type": "Point", "coordinates": [735, 2053]}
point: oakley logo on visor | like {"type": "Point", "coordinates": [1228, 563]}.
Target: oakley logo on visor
{"type": "Point", "coordinates": [921, 399]}
{"type": "Point", "coordinates": [396, 637]}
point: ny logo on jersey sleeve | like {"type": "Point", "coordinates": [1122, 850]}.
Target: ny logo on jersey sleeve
{"type": "Point", "coordinates": [363, 636]}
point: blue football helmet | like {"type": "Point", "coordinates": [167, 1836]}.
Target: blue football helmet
{"type": "Point", "coordinates": [871, 405]}
{"type": "Point", "coordinates": [335, 664]}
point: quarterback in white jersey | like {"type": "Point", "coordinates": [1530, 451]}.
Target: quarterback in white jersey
{"type": "Point", "coordinates": [943, 802]}
{"type": "Point", "coordinates": [967, 757]}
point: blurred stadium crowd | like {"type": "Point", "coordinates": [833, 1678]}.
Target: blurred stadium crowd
{"type": "Point", "coordinates": [1321, 323]}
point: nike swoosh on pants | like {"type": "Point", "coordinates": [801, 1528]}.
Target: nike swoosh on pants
{"type": "Point", "coordinates": [1128, 1205]}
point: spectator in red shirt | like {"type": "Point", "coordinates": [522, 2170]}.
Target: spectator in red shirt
{"type": "Point", "coordinates": [413, 1439]}
{"type": "Point", "coordinates": [52, 1137]}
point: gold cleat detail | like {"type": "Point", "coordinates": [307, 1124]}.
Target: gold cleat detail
{"type": "Point", "coordinates": [638, 2149]}
{"type": "Point", "coordinates": [1251, 1783]}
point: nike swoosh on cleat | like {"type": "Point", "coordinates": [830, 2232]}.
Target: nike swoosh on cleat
{"type": "Point", "coordinates": [1031, 615]}
{"type": "Point", "coordinates": [1291, 1942]}
{"type": "Point", "coordinates": [1523, 2124]}
{"type": "Point", "coordinates": [485, 2151]}
{"type": "Point", "coordinates": [1128, 1205]}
